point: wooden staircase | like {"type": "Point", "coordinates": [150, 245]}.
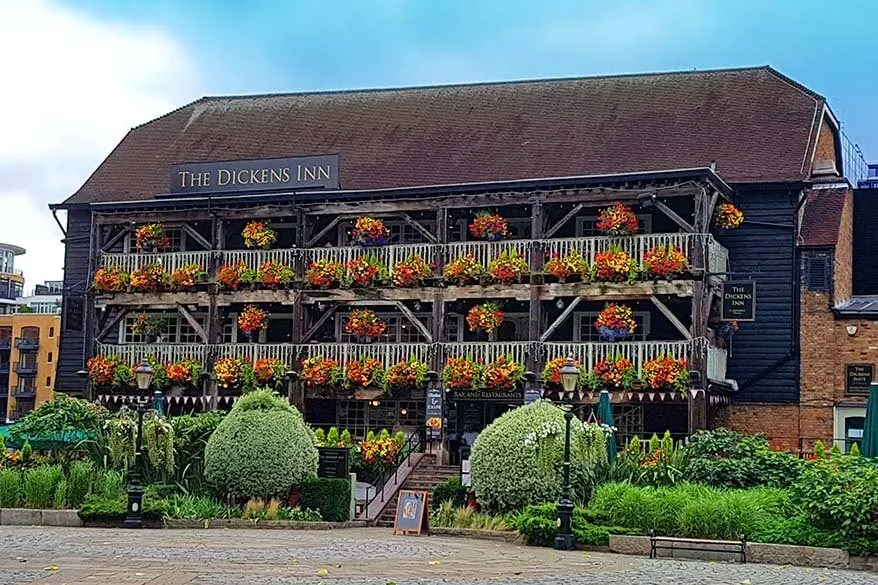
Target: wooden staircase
{"type": "Point", "coordinates": [423, 478]}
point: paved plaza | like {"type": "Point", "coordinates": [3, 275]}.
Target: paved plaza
{"type": "Point", "coordinates": [74, 556]}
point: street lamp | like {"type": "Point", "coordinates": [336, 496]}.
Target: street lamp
{"type": "Point", "coordinates": [564, 537]}
{"type": "Point", "coordinates": [143, 375]}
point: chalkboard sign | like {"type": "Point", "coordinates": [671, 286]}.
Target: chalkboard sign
{"type": "Point", "coordinates": [739, 300]}
{"type": "Point", "coordinates": [412, 515]}
{"type": "Point", "coordinates": [858, 377]}
{"type": "Point", "coordinates": [434, 413]}
{"type": "Point", "coordinates": [333, 462]}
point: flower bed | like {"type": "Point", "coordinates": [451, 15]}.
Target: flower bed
{"type": "Point", "coordinates": [667, 373]}
{"type": "Point", "coordinates": [615, 265]}
{"type": "Point", "coordinates": [150, 278]}
{"type": "Point", "coordinates": [509, 267]}
{"type": "Point", "coordinates": [319, 371]}
{"type": "Point", "coordinates": [324, 274]}
{"type": "Point", "coordinates": [406, 374]}
{"type": "Point", "coordinates": [411, 272]}
{"type": "Point", "coordinates": [503, 374]}
{"type": "Point", "coordinates": [365, 272]}
{"type": "Point", "coordinates": [365, 372]}
{"type": "Point", "coordinates": [111, 280]}
{"type": "Point", "coordinates": [187, 277]}
{"type": "Point", "coordinates": [666, 261]}
{"type": "Point", "coordinates": [464, 270]}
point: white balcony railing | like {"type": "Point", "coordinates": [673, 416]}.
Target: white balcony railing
{"type": "Point", "coordinates": [285, 352]}
{"type": "Point", "coordinates": [484, 252]}
{"type": "Point", "coordinates": [170, 261]}
{"type": "Point", "coordinates": [163, 352]}
{"type": "Point", "coordinates": [387, 255]}
{"type": "Point", "coordinates": [639, 352]}
{"type": "Point", "coordinates": [255, 258]}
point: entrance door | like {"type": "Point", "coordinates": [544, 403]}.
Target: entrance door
{"type": "Point", "coordinates": [849, 424]}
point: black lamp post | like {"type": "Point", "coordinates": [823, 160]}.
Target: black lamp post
{"type": "Point", "coordinates": [564, 537]}
{"type": "Point", "coordinates": [143, 374]}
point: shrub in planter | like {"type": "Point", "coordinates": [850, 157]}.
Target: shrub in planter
{"type": "Point", "coordinates": [538, 525]}
{"type": "Point", "coordinates": [99, 508]}
{"type": "Point", "coordinates": [79, 482]}
{"type": "Point", "coordinates": [450, 490]}
{"type": "Point", "coordinates": [330, 497]}
{"type": "Point", "coordinates": [517, 459]}
{"type": "Point", "coordinates": [10, 488]}
{"type": "Point", "coordinates": [261, 449]}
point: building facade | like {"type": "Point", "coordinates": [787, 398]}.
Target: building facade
{"type": "Point", "coordinates": [546, 156]}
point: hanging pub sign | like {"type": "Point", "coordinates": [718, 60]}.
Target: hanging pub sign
{"type": "Point", "coordinates": [858, 377]}
{"type": "Point", "coordinates": [435, 413]}
{"type": "Point", "coordinates": [271, 174]}
{"type": "Point", "coordinates": [333, 462]}
{"type": "Point", "coordinates": [739, 300]}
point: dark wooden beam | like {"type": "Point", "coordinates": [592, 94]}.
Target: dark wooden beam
{"type": "Point", "coordinates": [687, 227]}
{"type": "Point", "coordinates": [193, 323]}
{"type": "Point", "coordinates": [112, 323]}
{"type": "Point", "coordinates": [664, 310]}
{"type": "Point", "coordinates": [316, 237]}
{"type": "Point", "coordinates": [323, 319]}
{"type": "Point", "coordinates": [193, 233]}
{"type": "Point", "coordinates": [563, 221]}
{"type": "Point", "coordinates": [414, 321]}
{"type": "Point", "coordinates": [560, 320]}
{"type": "Point", "coordinates": [708, 213]}
{"type": "Point", "coordinates": [115, 239]}
{"type": "Point", "coordinates": [419, 228]}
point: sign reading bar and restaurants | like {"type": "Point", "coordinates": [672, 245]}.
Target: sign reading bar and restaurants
{"type": "Point", "coordinates": [739, 300]}
{"type": "Point", "coordinates": [509, 396]}
{"type": "Point", "coordinates": [333, 462]}
{"type": "Point", "coordinates": [858, 377]}
{"type": "Point", "coordinates": [271, 174]}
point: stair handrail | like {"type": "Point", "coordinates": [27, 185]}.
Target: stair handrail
{"type": "Point", "coordinates": [415, 443]}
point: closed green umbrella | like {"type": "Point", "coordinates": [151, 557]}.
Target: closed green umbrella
{"type": "Point", "coordinates": [605, 416]}
{"type": "Point", "coordinates": [869, 446]}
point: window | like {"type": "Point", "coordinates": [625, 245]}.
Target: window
{"type": "Point", "coordinates": [176, 329]}
{"type": "Point", "coordinates": [176, 237]}
{"type": "Point", "coordinates": [399, 329]}
{"type": "Point", "coordinates": [51, 334]}
{"type": "Point", "coordinates": [401, 232]}
{"type": "Point", "coordinates": [817, 271]}
{"type": "Point", "coordinates": [48, 381]}
{"type": "Point", "coordinates": [518, 229]}
{"type": "Point", "coordinates": [49, 358]}
{"type": "Point", "coordinates": [454, 327]}
{"type": "Point", "coordinates": [30, 333]}
{"type": "Point", "coordinates": [26, 385]}
{"type": "Point", "coordinates": [584, 329]}
{"type": "Point", "coordinates": [586, 226]}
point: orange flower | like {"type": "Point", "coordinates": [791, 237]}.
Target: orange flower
{"type": "Point", "coordinates": [464, 270]}
{"type": "Point", "coordinates": [364, 323]}
{"type": "Point", "coordinates": [728, 217]}
{"type": "Point", "coordinates": [504, 374]}
{"type": "Point", "coordinates": [618, 220]}
{"type": "Point", "coordinates": [369, 231]}
{"type": "Point", "coordinates": [150, 277]}
{"type": "Point", "coordinates": [552, 371]}
{"type": "Point", "coordinates": [324, 273]}
{"type": "Point", "coordinates": [462, 373]}
{"type": "Point", "coordinates": [665, 261]}
{"type": "Point", "coordinates": [411, 272]}
{"type": "Point", "coordinates": [615, 265]}
{"type": "Point", "coordinates": [252, 318]}
{"type": "Point", "coordinates": [364, 372]}
{"type": "Point", "coordinates": [509, 267]}
{"type": "Point", "coordinates": [571, 264]}
{"type": "Point", "coordinates": [258, 234]}
{"type": "Point", "coordinates": [487, 317]}
{"type": "Point", "coordinates": [188, 276]}
{"type": "Point", "coordinates": [411, 373]}
{"type": "Point", "coordinates": [152, 237]}
{"type": "Point", "coordinates": [229, 275]}
{"type": "Point", "coordinates": [667, 373]}
{"type": "Point", "coordinates": [489, 225]}
{"type": "Point", "coordinates": [109, 280]}
{"type": "Point", "coordinates": [616, 321]}
{"type": "Point", "coordinates": [320, 371]}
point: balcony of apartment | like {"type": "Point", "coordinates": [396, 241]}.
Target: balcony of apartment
{"type": "Point", "coordinates": [27, 343]}
{"type": "Point", "coordinates": [26, 368]}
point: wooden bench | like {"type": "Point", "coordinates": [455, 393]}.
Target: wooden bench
{"type": "Point", "coordinates": [658, 543]}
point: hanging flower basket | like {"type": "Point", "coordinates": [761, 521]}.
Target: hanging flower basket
{"type": "Point", "coordinates": [489, 226]}
{"type": "Point", "coordinates": [509, 267]}
{"type": "Point", "coordinates": [552, 373]}
{"type": "Point", "coordinates": [365, 272]}
{"type": "Point", "coordinates": [150, 278]}
{"type": "Point", "coordinates": [369, 231]}
{"type": "Point", "coordinates": [407, 374]}
{"type": "Point", "coordinates": [324, 274]}
{"type": "Point", "coordinates": [147, 326]}
{"type": "Point", "coordinates": [365, 323]}
{"type": "Point", "coordinates": [258, 234]}
{"type": "Point", "coordinates": [615, 322]}
{"type": "Point", "coordinates": [462, 374]}
{"type": "Point", "coordinates": [152, 238]}
{"type": "Point", "coordinates": [486, 317]}
{"type": "Point", "coordinates": [727, 329]}
{"type": "Point", "coordinates": [665, 261]}
{"type": "Point", "coordinates": [111, 280]}
{"type": "Point", "coordinates": [411, 272]}
{"type": "Point", "coordinates": [565, 268]}
{"type": "Point", "coordinates": [464, 270]}
{"type": "Point", "coordinates": [365, 372]}
{"type": "Point", "coordinates": [667, 373]}
{"type": "Point", "coordinates": [615, 265]}
{"type": "Point", "coordinates": [319, 371]}
{"type": "Point", "coordinates": [617, 220]}
{"type": "Point", "coordinates": [615, 373]}
{"type": "Point", "coordinates": [728, 217]}
{"type": "Point", "coordinates": [504, 374]}
{"type": "Point", "coordinates": [251, 320]}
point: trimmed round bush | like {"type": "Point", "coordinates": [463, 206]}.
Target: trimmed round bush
{"type": "Point", "coordinates": [518, 459]}
{"type": "Point", "coordinates": [261, 449]}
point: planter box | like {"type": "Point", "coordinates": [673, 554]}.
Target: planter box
{"type": "Point", "coordinates": [260, 524]}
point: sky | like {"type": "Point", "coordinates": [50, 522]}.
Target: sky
{"type": "Point", "coordinates": [76, 75]}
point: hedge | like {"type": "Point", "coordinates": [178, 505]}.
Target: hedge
{"type": "Point", "coordinates": [330, 497]}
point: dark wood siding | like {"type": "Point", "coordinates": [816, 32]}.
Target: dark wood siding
{"type": "Point", "coordinates": [74, 321]}
{"type": "Point", "coordinates": [865, 241]}
{"type": "Point", "coordinates": [765, 355]}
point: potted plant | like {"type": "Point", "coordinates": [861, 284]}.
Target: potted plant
{"type": "Point", "coordinates": [366, 271]}
{"type": "Point", "coordinates": [665, 261]}
{"type": "Point", "coordinates": [503, 374]}
{"type": "Point", "coordinates": [111, 280]}
{"type": "Point", "coordinates": [230, 372]}
{"type": "Point", "coordinates": [151, 238]}
{"type": "Point", "coordinates": [369, 231]}
{"type": "Point", "coordinates": [570, 266]}
{"type": "Point", "coordinates": [148, 326]}
{"type": "Point", "coordinates": [464, 270]}
{"type": "Point", "coordinates": [258, 234]}
{"type": "Point", "coordinates": [489, 226]}
{"type": "Point", "coordinates": [365, 372]}
{"type": "Point", "coordinates": [617, 220]}
{"type": "Point", "coordinates": [728, 217]}
{"type": "Point", "coordinates": [269, 372]}
{"type": "Point", "coordinates": [324, 273]}
{"type": "Point", "coordinates": [251, 320]}
{"type": "Point", "coordinates": [102, 370]}
{"type": "Point", "coordinates": [319, 371]}
{"type": "Point", "coordinates": [667, 373]}
{"type": "Point", "coordinates": [508, 267]}
{"type": "Point", "coordinates": [188, 276]}
{"type": "Point", "coordinates": [486, 317]}
{"type": "Point", "coordinates": [615, 265]}
{"type": "Point", "coordinates": [406, 374]}
{"type": "Point", "coordinates": [552, 373]}
{"type": "Point", "coordinates": [615, 322]}
{"type": "Point", "coordinates": [411, 272]}
{"type": "Point", "coordinates": [615, 373]}
{"type": "Point", "coordinates": [229, 275]}
{"type": "Point", "coordinates": [275, 275]}
{"type": "Point", "coordinates": [364, 323]}
{"type": "Point", "coordinates": [150, 278]}
{"type": "Point", "coordinates": [462, 374]}
{"type": "Point", "coordinates": [185, 373]}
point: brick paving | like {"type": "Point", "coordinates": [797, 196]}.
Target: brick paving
{"type": "Point", "coordinates": [71, 556]}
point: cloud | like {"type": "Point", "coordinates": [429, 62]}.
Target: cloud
{"type": "Point", "coordinates": [73, 85]}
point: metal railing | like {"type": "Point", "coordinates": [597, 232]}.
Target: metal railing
{"type": "Point", "coordinates": [27, 343]}
{"type": "Point", "coordinates": [415, 443]}
{"type": "Point", "coordinates": [25, 368]}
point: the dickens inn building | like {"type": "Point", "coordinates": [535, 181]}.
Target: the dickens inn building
{"type": "Point", "coordinates": [344, 243]}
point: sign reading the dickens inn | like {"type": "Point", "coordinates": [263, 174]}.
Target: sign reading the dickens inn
{"type": "Point", "coordinates": [739, 300]}
{"type": "Point", "coordinates": [274, 174]}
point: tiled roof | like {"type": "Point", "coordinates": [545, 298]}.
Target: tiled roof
{"type": "Point", "coordinates": [755, 124]}
{"type": "Point", "coordinates": [822, 217]}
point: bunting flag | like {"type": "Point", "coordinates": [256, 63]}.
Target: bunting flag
{"type": "Point", "coordinates": [651, 396]}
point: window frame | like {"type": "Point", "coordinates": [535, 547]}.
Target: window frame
{"type": "Point", "coordinates": [641, 334]}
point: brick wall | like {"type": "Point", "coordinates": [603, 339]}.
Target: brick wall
{"type": "Point", "coordinates": [844, 251]}
{"type": "Point", "coordinates": [825, 144]}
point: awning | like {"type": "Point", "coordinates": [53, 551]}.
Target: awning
{"type": "Point", "coordinates": [53, 440]}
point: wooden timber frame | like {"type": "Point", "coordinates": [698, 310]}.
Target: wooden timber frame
{"type": "Point", "coordinates": [112, 222]}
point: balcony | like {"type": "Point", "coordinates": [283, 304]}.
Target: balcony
{"type": "Point", "coordinates": [170, 261]}
{"type": "Point", "coordinates": [25, 368]}
{"type": "Point", "coordinates": [27, 343]}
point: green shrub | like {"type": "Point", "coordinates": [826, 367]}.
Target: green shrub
{"type": "Point", "coordinates": [111, 510]}
{"type": "Point", "coordinates": [10, 488]}
{"type": "Point", "coordinates": [330, 497]}
{"type": "Point", "coordinates": [199, 508]}
{"type": "Point", "coordinates": [517, 459]}
{"type": "Point", "coordinates": [109, 483]}
{"type": "Point", "coordinates": [79, 482]}
{"type": "Point", "coordinates": [450, 490]}
{"type": "Point", "coordinates": [299, 515]}
{"type": "Point", "coordinates": [59, 500]}
{"type": "Point", "coordinates": [191, 433]}
{"type": "Point", "coordinates": [840, 494]}
{"type": "Point", "coordinates": [447, 515]}
{"type": "Point", "coordinates": [40, 484]}
{"type": "Point", "coordinates": [723, 458]}
{"type": "Point", "coordinates": [260, 450]}
{"type": "Point", "coordinates": [538, 525]}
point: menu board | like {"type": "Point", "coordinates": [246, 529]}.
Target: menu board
{"type": "Point", "coordinates": [435, 413]}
